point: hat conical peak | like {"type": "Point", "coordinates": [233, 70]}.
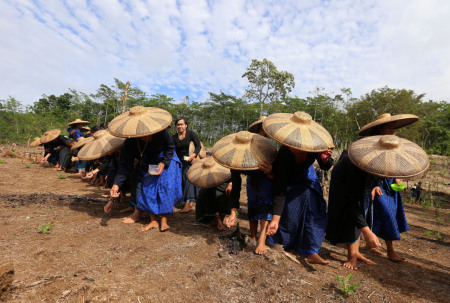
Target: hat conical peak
{"type": "Point", "coordinates": [302, 118]}
{"type": "Point", "coordinates": [209, 162]}
{"type": "Point", "coordinates": [137, 110]}
{"type": "Point", "coordinates": [99, 134]}
{"type": "Point", "coordinates": [383, 116]}
{"type": "Point", "coordinates": [389, 142]}
{"type": "Point", "coordinates": [243, 137]}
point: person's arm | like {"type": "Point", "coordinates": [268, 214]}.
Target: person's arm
{"type": "Point", "coordinates": [169, 147]}
{"type": "Point", "coordinates": [197, 144]}
{"type": "Point", "coordinates": [324, 164]}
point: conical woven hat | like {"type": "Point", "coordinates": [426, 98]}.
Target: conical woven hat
{"type": "Point", "coordinates": [254, 126]}
{"type": "Point", "coordinates": [103, 144]}
{"type": "Point", "coordinates": [243, 151]}
{"type": "Point", "coordinates": [140, 122]}
{"type": "Point", "coordinates": [82, 141]}
{"type": "Point", "coordinates": [36, 142]}
{"type": "Point", "coordinates": [201, 154]}
{"type": "Point", "coordinates": [50, 135]}
{"type": "Point", "coordinates": [207, 173]}
{"type": "Point", "coordinates": [396, 121]}
{"type": "Point", "coordinates": [298, 131]}
{"type": "Point", "coordinates": [388, 156]}
{"type": "Point", "coordinates": [78, 121]}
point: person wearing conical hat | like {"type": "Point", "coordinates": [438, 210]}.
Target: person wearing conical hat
{"type": "Point", "coordinates": [355, 182]}
{"type": "Point", "coordinates": [299, 209]}
{"type": "Point", "coordinates": [389, 219]}
{"type": "Point", "coordinates": [182, 140]}
{"type": "Point", "coordinates": [53, 143]}
{"type": "Point", "coordinates": [148, 141]}
{"type": "Point", "coordinates": [243, 153]}
{"type": "Point", "coordinates": [75, 129]}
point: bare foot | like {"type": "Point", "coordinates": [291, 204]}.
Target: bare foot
{"type": "Point", "coordinates": [261, 249]}
{"type": "Point", "coordinates": [186, 208]}
{"type": "Point", "coordinates": [164, 225]}
{"type": "Point", "coordinates": [151, 225]}
{"type": "Point", "coordinates": [316, 259]}
{"type": "Point", "coordinates": [363, 259]}
{"type": "Point", "coordinates": [220, 224]}
{"type": "Point", "coordinates": [58, 169]}
{"type": "Point", "coordinates": [376, 251]}
{"type": "Point", "coordinates": [135, 217]}
{"type": "Point", "coordinates": [126, 210]}
{"type": "Point", "coordinates": [394, 257]}
{"type": "Point", "coordinates": [351, 264]}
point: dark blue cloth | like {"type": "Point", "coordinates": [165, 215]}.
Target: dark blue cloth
{"type": "Point", "coordinates": [388, 213]}
{"type": "Point", "coordinates": [77, 133]}
{"type": "Point", "coordinates": [259, 200]}
{"type": "Point", "coordinates": [190, 192]}
{"type": "Point", "coordinates": [158, 194]}
{"type": "Point", "coordinates": [304, 218]}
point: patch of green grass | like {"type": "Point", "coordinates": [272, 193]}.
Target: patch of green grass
{"type": "Point", "coordinates": [26, 232]}
{"type": "Point", "coordinates": [13, 154]}
{"type": "Point", "coordinates": [346, 288]}
{"type": "Point", "coordinates": [28, 165]}
{"type": "Point", "coordinates": [62, 176]}
{"type": "Point", "coordinates": [2, 161]}
{"type": "Point", "coordinates": [45, 229]}
{"type": "Point", "coordinates": [427, 232]}
{"type": "Point", "coordinates": [439, 236]}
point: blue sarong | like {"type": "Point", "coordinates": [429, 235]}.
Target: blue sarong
{"type": "Point", "coordinates": [304, 219]}
{"type": "Point", "coordinates": [259, 200]}
{"type": "Point", "coordinates": [388, 213]}
{"type": "Point", "coordinates": [158, 194]}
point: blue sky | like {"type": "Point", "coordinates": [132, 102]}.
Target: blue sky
{"type": "Point", "coordinates": [193, 47]}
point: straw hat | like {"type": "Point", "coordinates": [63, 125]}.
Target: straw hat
{"type": "Point", "coordinates": [396, 121]}
{"type": "Point", "coordinates": [81, 141]}
{"type": "Point", "coordinates": [85, 128]}
{"type": "Point", "coordinates": [78, 121]}
{"type": "Point", "coordinates": [207, 173]}
{"type": "Point", "coordinates": [50, 135]}
{"type": "Point", "coordinates": [254, 126]}
{"type": "Point", "coordinates": [243, 151]}
{"type": "Point", "coordinates": [388, 156]}
{"type": "Point", "coordinates": [202, 152]}
{"type": "Point", "coordinates": [103, 144]}
{"type": "Point", "coordinates": [36, 142]}
{"type": "Point", "coordinates": [298, 131]}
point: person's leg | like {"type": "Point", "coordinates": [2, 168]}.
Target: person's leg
{"type": "Point", "coordinates": [261, 248]}
{"type": "Point", "coordinates": [187, 207]}
{"type": "Point", "coordinates": [253, 229]}
{"type": "Point", "coordinates": [153, 223]}
{"type": "Point", "coordinates": [135, 217]}
{"type": "Point", "coordinates": [354, 255]}
{"type": "Point", "coordinates": [392, 254]}
{"type": "Point", "coordinates": [164, 225]}
{"type": "Point", "coordinates": [316, 259]}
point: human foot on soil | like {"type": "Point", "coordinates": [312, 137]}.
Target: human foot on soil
{"type": "Point", "coordinates": [164, 225]}
{"type": "Point", "coordinates": [135, 217]}
{"type": "Point", "coordinates": [151, 225]}
{"type": "Point", "coordinates": [316, 259]}
{"type": "Point", "coordinates": [394, 257]}
{"type": "Point", "coordinates": [261, 249]}
{"type": "Point", "coordinates": [186, 208]}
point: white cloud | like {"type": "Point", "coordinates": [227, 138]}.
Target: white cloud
{"type": "Point", "coordinates": [193, 47]}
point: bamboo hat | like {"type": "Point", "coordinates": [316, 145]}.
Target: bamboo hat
{"type": "Point", "coordinates": [102, 144]}
{"type": "Point", "coordinates": [254, 126]}
{"type": "Point", "coordinates": [388, 156]}
{"type": "Point", "coordinates": [243, 151]}
{"type": "Point", "coordinates": [201, 154]}
{"type": "Point", "coordinates": [81, 141]}
{"type": "Point", "coordinates": [140, 121]}
{"type": "Point", "coordinates": [207, 173]}
{"type": "Point", "coordinates": [78, 121]}
{"type": "Point", "coordinates": [298, 131]}
{"type": "Point", "coordinates": [50, 135]}
{"type": "Point", "coordinates": [36, 142]}
{"type": "Point", "coordinates": [396, 121]}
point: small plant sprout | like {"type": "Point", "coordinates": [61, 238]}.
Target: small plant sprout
{"type": "Point", "coordinates": [28, 165]}
{"type": "Point", "coordinates": [427, 233]}
{"type": "Point", "coordinates": [62, 176]}
{"type": "Point", "coordinates": [2, 161]}
{"type": "Point", "coordinates": [45, 229]}
{"type": "Point", "coordinates": [346, 288]}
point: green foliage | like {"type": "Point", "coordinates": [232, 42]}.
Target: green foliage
{"type": "Point", "coordinates": [62, 176]}
{"type": "Point", "coordinates": [2, 161]}
{"type": "Point", "coordinates": [45, 229]}
{"type": "Point", "coordinates": [346, 288]}
{"type": "Point", "coordinates": [28, 165]}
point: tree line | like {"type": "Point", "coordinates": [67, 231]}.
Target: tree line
{"type": "Point", "coordinates": [221, 114]}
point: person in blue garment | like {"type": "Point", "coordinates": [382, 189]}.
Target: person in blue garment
{"type": "Point", "coordinates": [156, 193]}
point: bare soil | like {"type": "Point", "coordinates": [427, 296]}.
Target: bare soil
{"type": "Point", "coordinates": [90, 256]}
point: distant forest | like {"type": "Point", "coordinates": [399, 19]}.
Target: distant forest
{"type": "Point", "coordinates": [221, 114]}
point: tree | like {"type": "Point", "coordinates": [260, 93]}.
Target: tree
{"type": "Point", "coordinates": [267, 84]}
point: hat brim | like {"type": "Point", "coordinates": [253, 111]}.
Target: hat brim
{"type": "Point", "coordinates": [397, 121]}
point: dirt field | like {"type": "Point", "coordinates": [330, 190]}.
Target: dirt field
{"type": "Point", "coordinates": [89, 256]}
